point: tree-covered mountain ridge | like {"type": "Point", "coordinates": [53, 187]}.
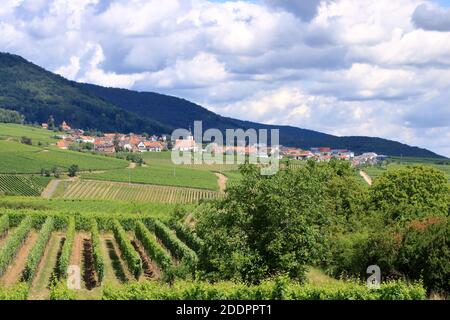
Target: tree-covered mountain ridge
{"type": "Point", "coordinates": [37, 93]}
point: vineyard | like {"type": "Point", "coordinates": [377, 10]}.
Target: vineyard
{"type": "Point", "coordinates": [16, 185]}
{"type": "Point", "coordinates": [105, 190]}
{"type": "Point", "coordinates": [37, 248]}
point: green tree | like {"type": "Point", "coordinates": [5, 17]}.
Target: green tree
{"type": "Point", "coordinates": [411, 192]}
{"type": "Point", "coordinates": [73, 169]}
{"type": "Point", "coordinates": [51, 123]}
{"type": "Point", "coordinates": [272, 225]}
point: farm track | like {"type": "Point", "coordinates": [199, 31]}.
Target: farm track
{"type": "Point", "coordinates": [14, 271]}
{"type": "Point", "coordinates": [40, 286]}
{"type": "Point", "coordinates": [50, 189]}
{"type": "Point", "coordinates": [150, 269]}
{"type": "Point", "coordinates": [106, 190]}
{"type": "Point", "coordinates": [366, 177]}
{"type": "Point", "coordinates": [115, 268]}
{"type": "Point", "coordinates": [222, 181]}
{"type": "Point", "coordinates": [89, 277]}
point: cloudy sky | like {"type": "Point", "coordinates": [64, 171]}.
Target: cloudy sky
{"type": "Point", "coordinates": [346, 67]}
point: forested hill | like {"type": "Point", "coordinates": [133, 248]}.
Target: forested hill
{"type": "Point", "coordinates": [37, 94]}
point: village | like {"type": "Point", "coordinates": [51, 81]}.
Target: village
{"type": "Point", "coordinates": [110, 143]}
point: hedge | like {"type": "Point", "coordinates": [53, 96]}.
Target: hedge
{"type": "Point", "coordinates": [187, 236]}
{"type": "Point", "coordinates": [152, 247]}
{"type": "Point", "coordinates": [38, 249]}
{"type": "Point", "coordinates": [66, 252]}
{"type": "Point", "coordinates": [15, 241]}
{"type": "Point", "coordinates": [180, 250]}
{"type": "Point", "coordinates": [129, 254]}
{"type": "Point", "coordinates": [4, 224]}
{"type": "Point", "coordinates": [99, 264]}
{"type": "Point", "coordinates": [269, 290]}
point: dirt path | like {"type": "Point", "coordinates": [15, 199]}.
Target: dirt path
{"type": "Point", "coordinates": [132, 165]}
{"type": "Point", "coordinates": [50, 189]}
{"type": "Point", "coordinates": [115, 269]}
{"type": "Point", "coordinates": [222, 181]}
{"type": "Point", "coordinates": [366, 177]}
{"type": "Point", "coordinates": [14, 272]}
{"type": "Point", "coordinates": [39, 289]}
{"type": "Point", "coordinates": [151, 270]}
{"type": "Point", "coordinates": [77, 250]}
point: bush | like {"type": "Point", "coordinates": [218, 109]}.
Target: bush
{"type": "Point", "coordinates": [130, 255]}
{"type": "Point", "coordinates": [425, 253]}
{"type": "Point", "coordinates": [411, 192]}
{"type": "Point", "coordinates": [37, 251]}
{"type": "Point", "coordinates": [4, 224]}
{"type": "Point", "coordinates": [152, 247]}
{"type": "Point", "coordinates": [26, 140]}
{"type": "Point", "coordinates": [97, 251]}
{"type": "Point", "coordinates": [66, 252]}
{"type": "Point", "coordinates": [9, 250]}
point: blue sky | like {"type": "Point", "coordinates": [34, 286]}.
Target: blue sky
{"type": "Point", "coordinates": [350, 67]}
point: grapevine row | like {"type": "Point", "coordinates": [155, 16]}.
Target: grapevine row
{"type": "Point", "coordinates": [38, 249]}
{"type": "Point", "coordinates": [180, 250]}
{"type": "Point", "coordinates": [97, 251]}
{"type": "Point", "coordinates": [152, 247]}
{"type": "Point", "coordinates": [9, 250]}
{"type": "Point", "coordinates": [66, 252]}
{"type": "Point", "coordinates": [129, 254]}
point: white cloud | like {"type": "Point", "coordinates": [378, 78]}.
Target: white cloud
{"type": "Point", "coordinates": [340, 66]}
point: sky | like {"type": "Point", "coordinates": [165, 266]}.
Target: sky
{"type": "Point", "coordinates": [345, 67]}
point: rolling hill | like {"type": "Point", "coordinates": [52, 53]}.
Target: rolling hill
{"type": "Point", "coordinates": [37, 94]}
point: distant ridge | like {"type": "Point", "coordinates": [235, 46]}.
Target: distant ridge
{"type": "Point", "coordinates": [37, 94]}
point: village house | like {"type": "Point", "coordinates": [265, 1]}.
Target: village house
{"type": "Point", "coordinates": [65, 126]}
{"type": "Point", "coordinates": [186, 145]}
{"type": "Point", "coordinates": [154, 146]}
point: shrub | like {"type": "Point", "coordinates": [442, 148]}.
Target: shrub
{"type": "Point", "coordinates": [425, 253]}
{"type": "Point", "coordinates": [10, 248]}
{"type": "Point", "coordinates": [129, 254]}
{"type": "Point", "coordinates": [37, 251]}
{"type": "Point", "coordinates": [152, 247]}
{"type": "Point", "coordinates": [97, 251]}
{"type": "Point", "coordinates": [66, 252]}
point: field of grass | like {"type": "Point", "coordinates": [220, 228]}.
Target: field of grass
{"type": "Point", "coordinates": [20, 158]}
{"type": "Point", "coordinates": [375, 171]}
{"type": "Point", "coordinates": [105, 190]}
{"type": "Point", "coordinates": [168, 175]}
{"type": "Point", "coordinates": [16, 131]}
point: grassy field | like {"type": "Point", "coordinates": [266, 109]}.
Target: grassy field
{"type": "Point", "coordinates": [16, 131]}
{"type": "Point", "coordinates": [20, 158]}
{"type": "Point", "coordinates": [159, 174]}
{"type": "Point", "coordinates": [375, 171]}
{"type": "Point", "coordinates": [106, 190]}
{"type": "Point", "coordinates": [75, 206]}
